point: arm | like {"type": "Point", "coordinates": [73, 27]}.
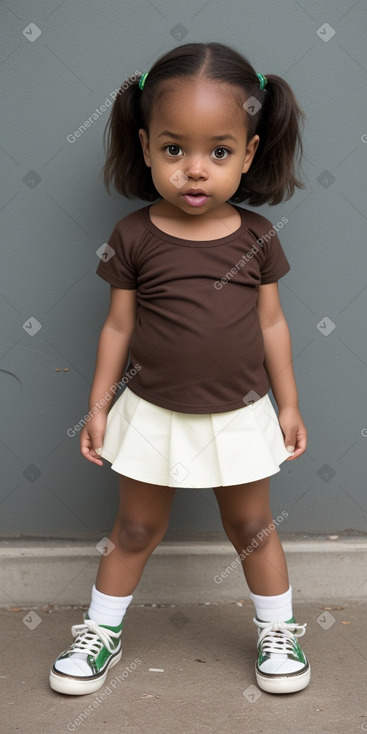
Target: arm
{"type": "Point", "coordinates": [278, 365]}
{"type": "Point", "coordinates": [112, 354]}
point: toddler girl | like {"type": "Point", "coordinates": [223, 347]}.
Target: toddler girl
{"type": "Point", "coordinates": [196, 321]}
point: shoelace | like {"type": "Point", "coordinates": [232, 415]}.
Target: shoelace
{"type": "Point", "coordinates": [278, 637]}
{"type": "Point", "coordinates": [90, 637]}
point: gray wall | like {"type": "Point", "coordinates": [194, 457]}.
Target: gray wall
{"type": "Point", "coordinates": [56, 213]}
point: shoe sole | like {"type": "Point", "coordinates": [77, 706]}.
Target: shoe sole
{"type": "Point", "coordinates": [283, 684]}
{"type": "Point", "coordinates": [77, 686]}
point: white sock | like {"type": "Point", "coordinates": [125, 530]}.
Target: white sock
{"type": "Point", "coordinates": [108, 610]}
{"type": "Point", "coordinates": [273, 608]}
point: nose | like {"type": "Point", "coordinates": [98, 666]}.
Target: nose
{"type": "Point", "coordinates": [196, 167]}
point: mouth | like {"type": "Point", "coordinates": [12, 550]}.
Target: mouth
{"type": "Point", "coordinates": [195, 197]}
{"type": "Point", "coordinates": [195, 192]}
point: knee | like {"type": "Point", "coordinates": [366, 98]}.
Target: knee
{"type": "Point", "coordinates": [134, 536]}
{"type": "Point", "coordinates": [253, 532]}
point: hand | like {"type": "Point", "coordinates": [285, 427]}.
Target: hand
{"type": "Point", "coordinates": [294, 430]}
{"type": "Point", "coordinates": [91, 438]}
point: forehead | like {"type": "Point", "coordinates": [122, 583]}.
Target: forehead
{"type": "Point", "coordinates": [199, 105]}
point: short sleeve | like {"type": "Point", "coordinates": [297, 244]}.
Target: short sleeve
{"type": "Point", "coordinates": [116, 264]}
{"type": "Point", "coordinates": [275, 263]}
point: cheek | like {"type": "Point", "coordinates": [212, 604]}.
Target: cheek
{"type": "Point", "coordinates": [161, 171]}
{"type": "Point", "coordinates": [160, 179]}
{"type": "Point", "coordinates": [231, 174]}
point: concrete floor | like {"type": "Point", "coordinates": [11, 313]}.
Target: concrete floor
{"type": "Point", "coordinates": [205, 654]}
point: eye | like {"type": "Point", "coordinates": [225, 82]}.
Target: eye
{"type": "Point", "coordinates": [221, 153]}
{"type": "Point", "coordinates": [172, 150]}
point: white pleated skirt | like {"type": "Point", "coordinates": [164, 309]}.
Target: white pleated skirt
{"type": "Point", "coordinates": [174, 449]}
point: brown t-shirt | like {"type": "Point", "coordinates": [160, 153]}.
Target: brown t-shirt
{"type": "Point", "coordinates": [197, 336]}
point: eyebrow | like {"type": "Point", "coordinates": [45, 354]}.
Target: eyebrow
{"type": "Point", "coordinates": [170, 134]}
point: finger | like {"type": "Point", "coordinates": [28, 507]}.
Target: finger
{"type": "Point", "coordinates": [294, 456]}
{"type": "Point", "coordinates": [96, 445]}
{"type": "Point", "coordinates": [87, 451]}
{"type": "Point", "coordinates": [300, 448]}
{"type": "Point", "coordinates": [96, 454]}
{"type": "Point", "coordinates": [89, 455]}
{"type": "Point", "coordinates": [290, 441]}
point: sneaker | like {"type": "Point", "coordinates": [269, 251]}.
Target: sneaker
{"type": "Point", "coordinates": [281, 666]}
{"type": "Point", "coordinates": [84, 666]}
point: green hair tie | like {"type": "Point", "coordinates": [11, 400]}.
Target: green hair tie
{"type": "Point", "coordinates": [263, 80]}
{"type": "Point", "coordinates": [143, 80]}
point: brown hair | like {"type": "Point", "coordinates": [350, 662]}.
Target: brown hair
{"type": "Point", "coordinates": [272, 176]}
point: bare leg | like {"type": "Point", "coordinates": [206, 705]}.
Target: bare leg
{"type": "Point", "coordinates": [140, 525]}
{"type": "Point", "coordinates": [245, 511]}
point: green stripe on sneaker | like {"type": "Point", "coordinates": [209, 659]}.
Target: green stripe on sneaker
{"type": "Point", "coordinates": [107, 626]}
{"type": "Point", "coordinates": [114, 629]}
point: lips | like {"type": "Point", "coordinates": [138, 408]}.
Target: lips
{"type": "Point", "coordinates": [195, 197]}
{"type": "Point", "coordinates": [195, 192]}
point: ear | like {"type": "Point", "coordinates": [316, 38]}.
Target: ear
{"type": "Point", "coordinates": [143, 136]}
{"type": "Point", "coordinates": [251, 149]}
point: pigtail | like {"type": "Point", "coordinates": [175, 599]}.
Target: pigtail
{"type": "Point", "coordinates": [125, 166]}
{"type": "Point", "coordinates": [276, 166]}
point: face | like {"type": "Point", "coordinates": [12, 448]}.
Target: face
{"type": "Point", "coordinates": [197, 141]}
